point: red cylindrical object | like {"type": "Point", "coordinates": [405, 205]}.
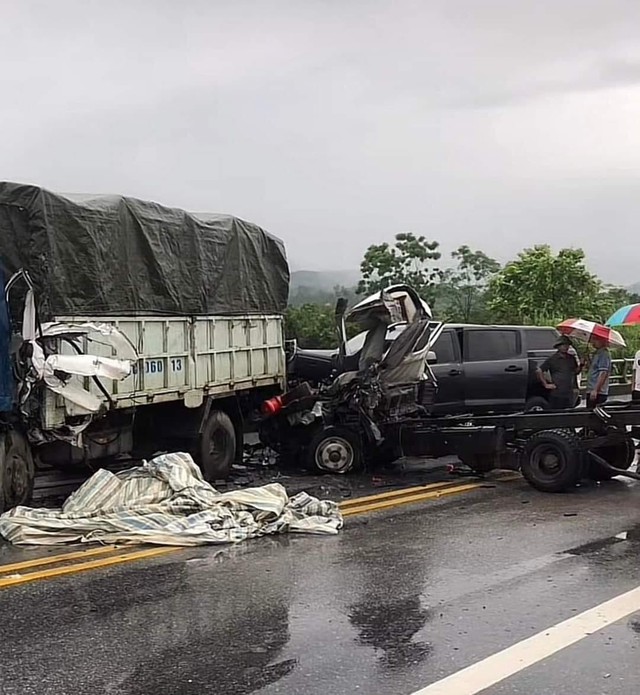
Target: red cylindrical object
{"type": "Point", "coordinates": [273, 406]}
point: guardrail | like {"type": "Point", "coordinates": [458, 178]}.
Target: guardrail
{"type": "Point", "coordinates": [622, 371]}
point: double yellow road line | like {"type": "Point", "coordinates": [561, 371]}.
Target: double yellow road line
{"type": "Point", "coordinates": [51, 566]}
{"type": "Point", "coordinates": [411, 495]}
{"type": "Point", "coordinates": [18, 573]}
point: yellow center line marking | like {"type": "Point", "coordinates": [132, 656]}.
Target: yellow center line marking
{"type": "Point", "coordinates": [431, 494]}
{"type": "Point", "coordinates": [55, 559]}
{"type": "Point", "coordinates": [395, 498]}
{"type": "Point", "coordinates": [355, 501]}
{"type": "Point", "coordinates": [358, 505]}
{"type": "Point", "coordinates": [84, 566]}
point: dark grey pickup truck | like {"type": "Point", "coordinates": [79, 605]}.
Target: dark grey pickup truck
{"type": "Point", "coordinates": [478, 368]}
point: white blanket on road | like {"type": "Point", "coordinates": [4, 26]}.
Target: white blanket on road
{"type": "Point", "coordinates": [167, 502]}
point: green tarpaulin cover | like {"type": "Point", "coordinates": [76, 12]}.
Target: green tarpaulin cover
{"type": "Point", "coordinates": [113, 255]}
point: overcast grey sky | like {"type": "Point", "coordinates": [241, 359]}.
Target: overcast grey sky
{"type": "Point", "coordinates": [335, 124]}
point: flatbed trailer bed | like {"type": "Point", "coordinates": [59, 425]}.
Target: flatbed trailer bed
{"type": "Point", "coordinates": [553, 449]}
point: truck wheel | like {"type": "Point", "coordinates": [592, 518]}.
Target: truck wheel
{"type": "Point", "coordinates": [479, 463]}
{"type": "Point", "coordinates": [620, 455]}
{"type": "Point", "coordinates": [536, 404]}
{"type": "Point", "coordinates": [217, 446]}
{"type": "Point", "coordinates": [552, 460]}
{"type": "Point", "coordinates": [17, 470]}
{"type": "Point", "coordinates": [334, 450]}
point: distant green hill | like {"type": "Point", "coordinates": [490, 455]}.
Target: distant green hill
{"type": "Point", "coordinates": [319, 287]}
{"type": "Point", "coordinates": [324, 280]}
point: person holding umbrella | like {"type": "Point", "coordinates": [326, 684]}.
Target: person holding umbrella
{"type": "Point", "coordinates": [563, 368]}
{"type": "Point", "coordinates": [601, 337]}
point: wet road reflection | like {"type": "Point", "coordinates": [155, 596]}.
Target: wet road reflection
{"type": "Point", "coordinates": [234, 659]}
{"type": "Point", "coordinates": [236, 631]}
{"type": "Point", "coordinates": [390, 628]}
{"type": "Point", "coordinates": [390, 605]}
{"type": "Point", "coordinates": [389, 614]}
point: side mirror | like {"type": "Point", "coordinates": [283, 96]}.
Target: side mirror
{"type": "Point", "coordinates": [432, 358]}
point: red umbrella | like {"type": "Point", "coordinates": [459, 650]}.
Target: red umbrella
{"type": "Point", "coordinates": [587, 330]}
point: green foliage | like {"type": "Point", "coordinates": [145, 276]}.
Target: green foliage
{"type": "Point", "coordinates": [409, 261]}
{"type": "Point", "coordinates": [631, 335]}
{"type": "Point", "coordinates": [539, 285]}
{"type": "Point", "coordinates": [462, 294]}
{"type": "Point", "coordinates": [611, 299]}
{"type": "Point", "coordinates": [313, 326]}
{"type": "Point", "coordinates": [537, 288]}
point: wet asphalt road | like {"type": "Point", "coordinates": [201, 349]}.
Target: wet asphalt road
{"type": "Point", "coordinates": [396, 602]}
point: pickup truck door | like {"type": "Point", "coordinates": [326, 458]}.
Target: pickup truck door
{"type": "Point", "coordinates": [448, 371]}
{"type": "Point", "coordinates": [495, 369]}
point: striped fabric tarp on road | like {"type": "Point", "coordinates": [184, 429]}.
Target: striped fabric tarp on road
{"type": "Point", "coordinates": [167, 502]}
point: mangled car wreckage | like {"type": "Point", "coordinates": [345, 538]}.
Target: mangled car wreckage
{"type": "Point", "coordinates": [360, 413]}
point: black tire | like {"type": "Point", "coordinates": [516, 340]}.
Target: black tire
{"type": "Point", "coordinates": [552, 461]}
{"type": "Point", "coordinates": [17, 470]}
{"type": "Point", "coordinates": [217, 446]}
{"type": "Point", "coordinates": [479, 463]}
{"type": "Point", "coordinates": [537, 403]}
{"type": "Point", "coordinates": [334, 450]}
{"type": "Point", "coordinates": [620, 455]}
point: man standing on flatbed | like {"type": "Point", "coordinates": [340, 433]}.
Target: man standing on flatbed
{"type": "Point", "coordinates": [563, 369]}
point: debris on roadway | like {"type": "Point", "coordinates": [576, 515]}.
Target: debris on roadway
{"type": "Point", "coordinates": [166, 501]}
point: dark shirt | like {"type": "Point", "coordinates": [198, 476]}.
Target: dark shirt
{"type": "Point", "coordinates": [563, 370]}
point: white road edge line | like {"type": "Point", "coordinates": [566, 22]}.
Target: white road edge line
{"type": "Point", "coordinates": [508, 662]}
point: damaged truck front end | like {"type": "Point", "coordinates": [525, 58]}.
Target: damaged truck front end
{"type": "Point", "coordinates": [359, 414]}
{"type": "Point", "coordinates": [46, 406]}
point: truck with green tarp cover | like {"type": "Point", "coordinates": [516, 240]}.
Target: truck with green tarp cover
{"type": "Point", "coordinates": [128, 327]}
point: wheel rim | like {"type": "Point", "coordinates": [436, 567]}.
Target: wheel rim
{"type": "Point", "coordinates": [547, 461]}
{"type": "Point", "coordinates": [334, 454]}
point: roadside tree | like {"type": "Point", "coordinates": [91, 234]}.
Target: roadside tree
{"type": "Point", "coordinates": [462, 293]}
{"type": "Point", "coordinates": [541, 287]}
{"type": "Point", "coordinates": [410, 260]}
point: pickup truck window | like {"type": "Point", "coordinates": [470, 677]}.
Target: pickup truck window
{"type": "Point", "coordinates": [444, 348]}
{"type": "Point", "coordinates": [488, 345]}
{"type": "Point", "coordinates": [540, 338]}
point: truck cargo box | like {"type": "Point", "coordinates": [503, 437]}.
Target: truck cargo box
{"type": "Point", "coordinates": [183, 360]}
